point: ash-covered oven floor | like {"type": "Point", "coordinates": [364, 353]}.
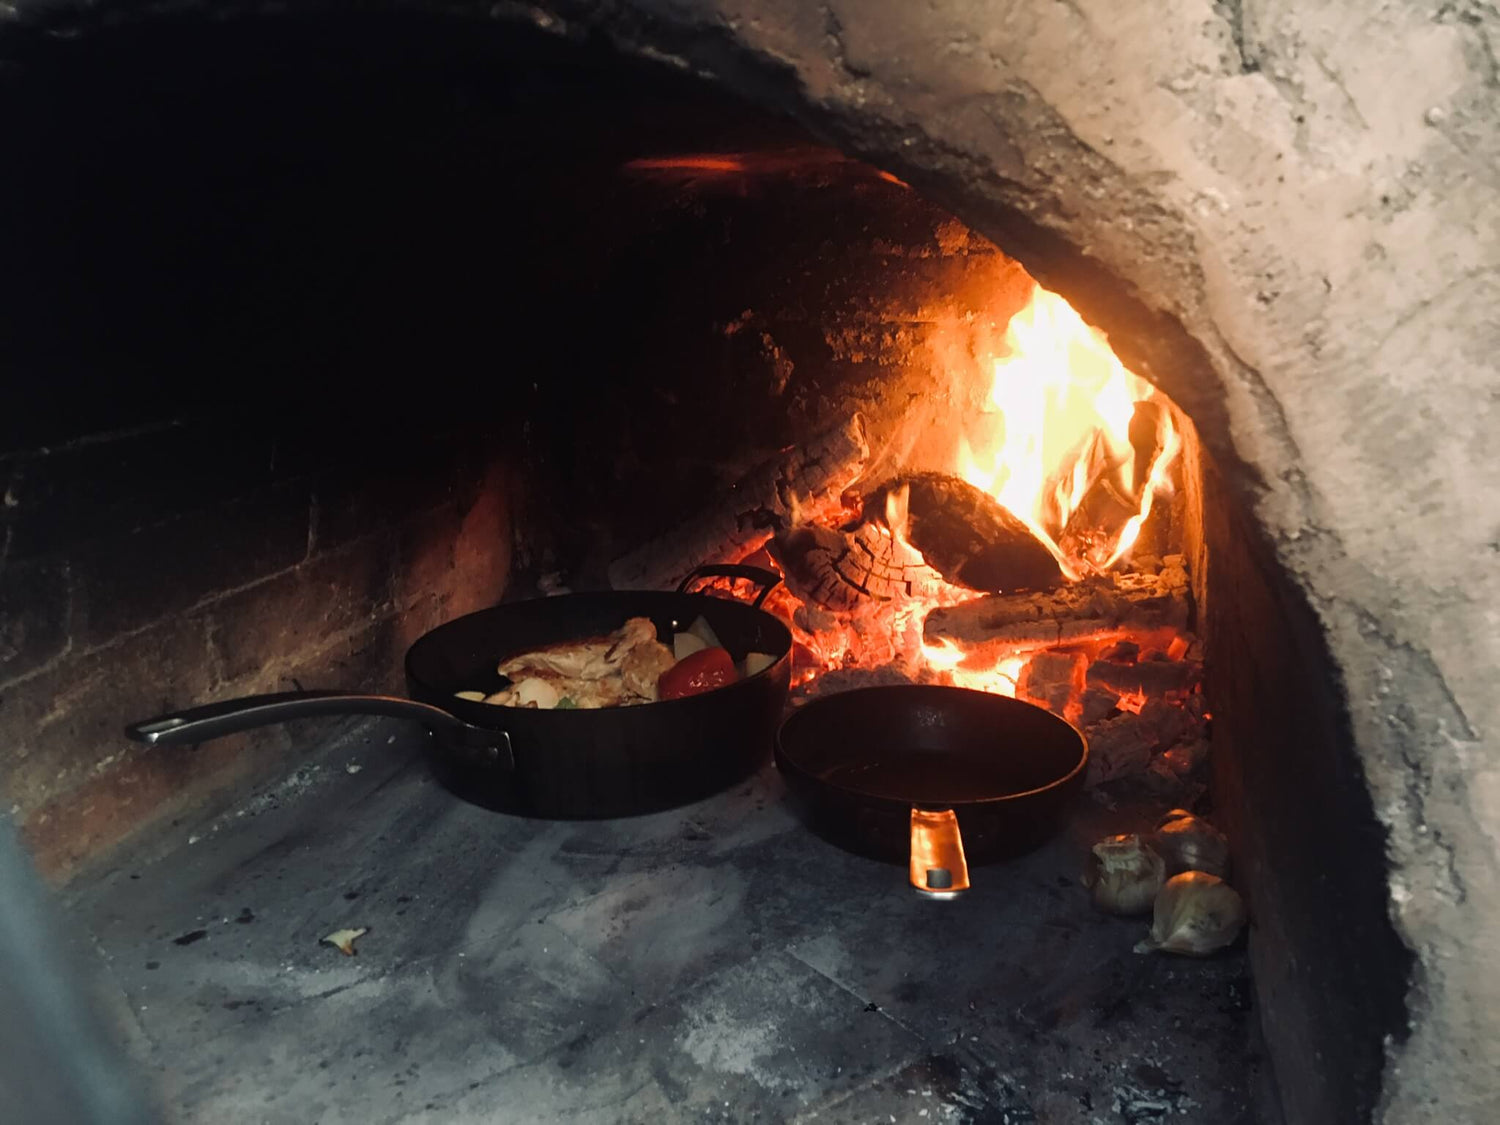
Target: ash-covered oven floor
{"type": "Point", "coordinates": [714, 963]}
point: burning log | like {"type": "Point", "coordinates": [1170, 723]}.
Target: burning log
{"type": "Point", "coordinates": [813, 559]}
{"type": "Point", "coordinates": [1094, 527]}
{"type": "Point", "coordinates": [836, 570]}
{"type": "Point", "coordinates": [1117, 488]}
{"type": "Point", "coordinates": [1036, 620]}
{"type": "Point", "coordinates": [963, 533]}
{"type": "Point", "coordinates": [1148, 429]}
{"type": "Point", "coordinates": [765, 501]}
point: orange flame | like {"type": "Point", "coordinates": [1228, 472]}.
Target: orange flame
{"type": "Point", "coordinates": [1060, 405]}
{"type": "Point", "coordinates": [980, 671]}
{"type": "Point", "coordinates": [898, 513]}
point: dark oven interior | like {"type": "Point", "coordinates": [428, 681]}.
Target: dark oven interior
{"type": "Point", "coordinates": [325, 338]}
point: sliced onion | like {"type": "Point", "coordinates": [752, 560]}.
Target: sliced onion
{"type": "Point", "coordinates": [757, 662]}
{"type": "Point", "coordinates": [704, 632]}
{"type": "Point", "coordinates": [685, 644]}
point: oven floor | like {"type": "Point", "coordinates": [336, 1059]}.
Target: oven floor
{"type": "Point", "coordinates": [715, 963]}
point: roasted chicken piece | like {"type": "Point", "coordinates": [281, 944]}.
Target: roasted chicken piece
{"type": "Point", "coordinates": [587, 673]}
{"type": "Point", "coordinates": [635, 632]}
{"type": "Point", "coordinates": [643, 666]}
{"type": "Point", "coordinates": [574, 659]}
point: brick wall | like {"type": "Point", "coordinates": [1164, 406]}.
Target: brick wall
{"type": "Point", "coordinates": [196, 560]}
{"type": "Point", "coordinates": [738, 315]}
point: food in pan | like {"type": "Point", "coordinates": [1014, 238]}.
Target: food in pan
{"type": "Point", "coordinates": [626, 667]}
{"type": "Point", "coordinates": [704, 670]}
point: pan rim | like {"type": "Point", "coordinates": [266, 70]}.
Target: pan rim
{"type": "Point", "coordinates": [1061, 781]}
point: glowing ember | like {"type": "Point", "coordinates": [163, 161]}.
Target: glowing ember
{"type": "Point", "coordinates": [1057, 424]}
{"type": "Point", "coordinates": [688, 167]}
{"type": "Point", "coordinates": [977, 670]}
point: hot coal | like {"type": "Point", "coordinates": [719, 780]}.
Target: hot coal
{"type": "Point", "coordinates": [1053, 680]}
{"type": "Point", "coordinates": [1150, 677]}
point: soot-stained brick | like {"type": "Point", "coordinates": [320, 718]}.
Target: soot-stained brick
{"type": "Point", "coordinates": [132, 580]}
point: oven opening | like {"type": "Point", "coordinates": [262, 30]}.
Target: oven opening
{"type": "Point", "coordinates": [331, 338]}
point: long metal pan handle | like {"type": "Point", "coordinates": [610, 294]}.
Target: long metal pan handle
{"type": "Point", "coordinates": [767, 580]}
{"type": "Point", "coordinates": [214, 720]}
{"type": "Point", "coordinates": [938, 868]}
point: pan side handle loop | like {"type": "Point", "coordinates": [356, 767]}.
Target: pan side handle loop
{"type": "Point", "coordinates": [214, 720]}
{"type": "Point", "coordinates": [767, 580]}
{"type": "Point", "coordinates": [937, 868]}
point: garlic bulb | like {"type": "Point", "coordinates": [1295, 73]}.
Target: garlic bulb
{"type": "Point", "coordinates": [1189, 843]}
{"type": "Point", "coordinates": [1195, 914]}
{"type": "Point", "coordinates": [1124, 875]}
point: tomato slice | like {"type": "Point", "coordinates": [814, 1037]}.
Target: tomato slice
{"type": "Point", "coordinates": [704, 670]}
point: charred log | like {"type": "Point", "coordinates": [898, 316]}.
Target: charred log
{"type": "Point", "coordinates": [1147, 437]}
{"type": "Point", "coordinates": [964, 533]}
{"type": "Point", "coordinates": [1094, 527]}
{"type": "Point", "coordinates": [1026, 620]}
{"type": "Point", "coordinates": [837, 570]}
{"type": "Point", "coordinates": [767, 500]}
{"type": "Point", "coordinates": [811, 557]}
{"type": "Point", "coordinates": [1149, 677]}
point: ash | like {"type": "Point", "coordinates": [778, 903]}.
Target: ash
{"type": "Point", "coordinates": [714, 963]}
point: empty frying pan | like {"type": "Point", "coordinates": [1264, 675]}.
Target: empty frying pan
{"type": "Point", "coordinates": [934, 776]}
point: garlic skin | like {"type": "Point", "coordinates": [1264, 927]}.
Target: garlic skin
{"type": "Point", "coordinates": [1195, 914]}
{"type": "Point", "coordinates": [1189, 843]}
{"type": "Point", "coordinates": [1124, 875]}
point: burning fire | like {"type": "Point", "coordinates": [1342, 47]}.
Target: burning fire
{"type": "Point", "coordinates": [1076, 447]}
{"type": "Point", "coordinates": [1059, 420]}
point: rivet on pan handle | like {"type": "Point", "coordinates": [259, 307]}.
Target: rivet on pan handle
{"type": "Point", "coordinates": [938, 868]}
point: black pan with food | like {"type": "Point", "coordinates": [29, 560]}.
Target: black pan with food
{"type": "Point", "coordinates": [860, 762]}
{"type": "Point", "coordinates": [616, 761]}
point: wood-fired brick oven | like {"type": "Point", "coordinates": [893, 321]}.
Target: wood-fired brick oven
{"type": "Point", "coordinates": [316, 355]}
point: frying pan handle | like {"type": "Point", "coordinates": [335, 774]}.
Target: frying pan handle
{"type": "Point", "coordinates": [938, 868]}
{"type": "Point", "coordinates": [767, 580]}
{"type": "Point", "coordinates": [214, 720]}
